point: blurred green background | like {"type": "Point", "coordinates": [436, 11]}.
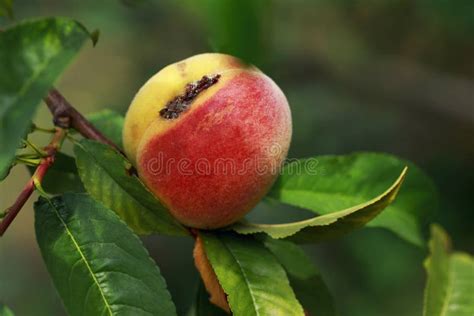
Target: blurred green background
{"type": "Point", "coordinates": [394, 76]}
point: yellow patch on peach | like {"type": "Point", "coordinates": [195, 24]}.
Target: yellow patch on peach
{"type": "Point", "coordinates": [163, 87]}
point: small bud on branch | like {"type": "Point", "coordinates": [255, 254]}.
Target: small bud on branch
{"type": "Point", "coordinates": [38, 176]}
{"type": "Point", "coordinates": [65, 116]}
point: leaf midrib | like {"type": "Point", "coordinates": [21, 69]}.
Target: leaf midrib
{"type": "Point", "coordinates": [247, 283]}
{"type": "Point", "coordinates": [118, 183]}
{"type": "Point", "coordinates": [449, 289]}
{"type": "Point", "coordinates": [123, 189]}
{"type": "Point", "coordinates": [83, 257]}
{"type": "Point", "coordinates": [30, 80]}
{"type": "Point", "coordinates": [309, 192]}
{"type": "Point", "coordinates": [164, 219]}
{"type": "Point", "coordinates": [36, 74]}
{"type": "Point", "coordinates": [39, 70]}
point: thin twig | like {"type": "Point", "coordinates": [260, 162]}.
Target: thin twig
{"type": "Point", "coordinates": [42, 129]}
{"type": "Point", "coordinates": [65, 116]}
{"type": "Point", "coordinates": [38, 151]}
{"type": "Point", "coordinates": [38, 176]}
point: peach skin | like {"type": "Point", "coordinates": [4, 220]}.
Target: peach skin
{"type": "Point", "coordinates": [208, 136]}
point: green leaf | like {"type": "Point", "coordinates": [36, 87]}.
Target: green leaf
{"type": "Point", "coordinates": [6, 9]}
{"type": "Point", "coordinates": [108, 177]}
{"type": "Point", "coordinates": [450, 286]}
{"type": "Point", "coordinates": [304, 277]}
{"type": "Point", "coordinates": [6, 171]}
{"type": "Point", "coordinates": [110, 123]}
{"type": "Point", "coordinates": [5, 311]}
{"type": "Point", "coordinates": [98, 266]}
{"type": "Point", "coordinates": [62, 176]}
{"type": "Point", "coordinates": [326, 226]}
{"type": "Point", "coordinates": [327, 184]}
{"type": "Point", "coordinates": [202, 306]}
{"type": "Point", "coordinates": [32, 56]}
{"type": "Point", "coordinates": [254, 281]}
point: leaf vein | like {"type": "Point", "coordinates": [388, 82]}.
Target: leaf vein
{"type": "Point", "coordinates": [247, 283]}
{"type": "Point", "coordinates": [79, 250]}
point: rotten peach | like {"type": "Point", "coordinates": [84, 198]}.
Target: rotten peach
{"type": "Point", "coordinates": [208, 136]}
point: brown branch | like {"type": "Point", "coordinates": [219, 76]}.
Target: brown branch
{"type": "Point", "coordinates": [66, 116]}
{"type": "Point", "coordinates": [38, 175]}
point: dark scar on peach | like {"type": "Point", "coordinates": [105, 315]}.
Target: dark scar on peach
{"type": "Point", "coordinates": [182, 102]}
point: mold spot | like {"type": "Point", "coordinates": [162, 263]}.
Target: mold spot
{"type": "Point", "coordinates": [182, 102]}
{"type": "Point", "coordinates": [181, 68]}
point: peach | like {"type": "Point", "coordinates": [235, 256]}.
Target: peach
{"type": "Point", "coordinates": [208, 136]}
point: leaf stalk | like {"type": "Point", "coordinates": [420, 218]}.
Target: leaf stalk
{"type": "Point", "coordinates": [46, 162]}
